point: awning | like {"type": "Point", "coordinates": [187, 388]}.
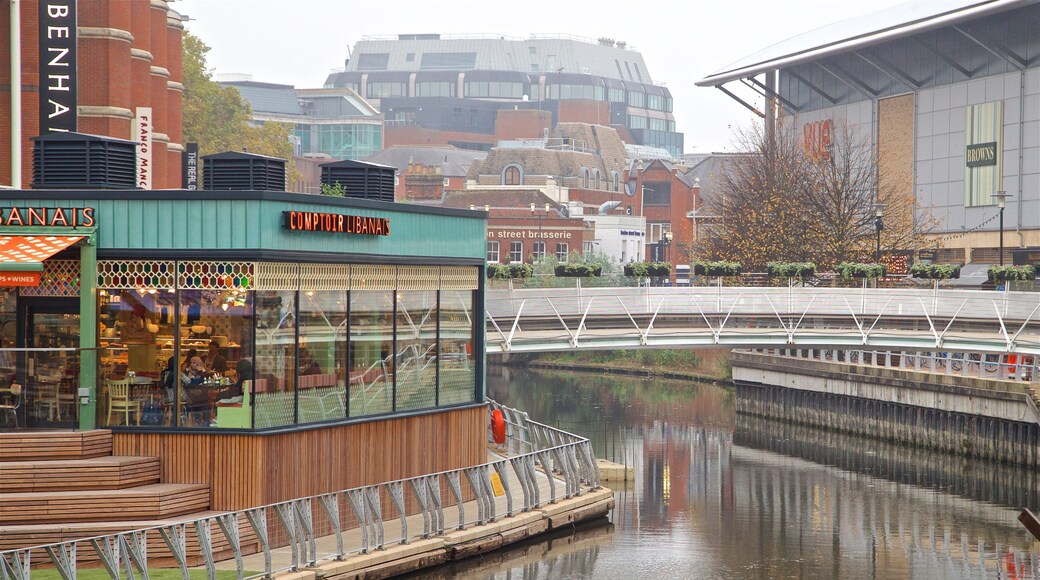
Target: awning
{"type": "Point", "coordinates": [26, 253]}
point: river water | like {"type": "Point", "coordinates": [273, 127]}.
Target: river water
{"type": "Point", "coordinates": [721, 495]}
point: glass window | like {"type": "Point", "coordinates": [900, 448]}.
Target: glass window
{"type": "Point", "coordinates": [492, 252]}
{"type": "Point", "coordinates": [658, 124]}
{"type": "Point", "coordinates": [410, 57]}
{"type": "Point", "coordinates": [655, 102]}
{"type": "Point", "coordinates": [616, 95]}
{"type": "Point", "coordinates": [323, 349]}
{"type": "Point", "coordinates": [415, 363]}
{"type": "Point", "coordinates": [585, 178]}
{"type": "Point", "coordinates": [434, 89]}
{"type": "Point", "coordinates": [539, 251]}
{"type": "Point", "coordinates": [562, 251]}
{"type": "Point", "coordinates": [371, 352]}
{"type": "Point", "coordinates": [516, 252]}
{"type": "Point", "coordinates": [456, 368]}
{"type": "Point", "coordinates": [275, 360]}
{"type": "Point", "coordinates": [657, 193]}
{"type": "Point", "coordinates": [349, 141]}
{"type": "Point", "coordinates": [636, 122]}
{"type": "Point", "coordinates": [596, 181]}
{"type": "Point", "coordinates": [512, 176]}
{"type": "Point", "coordinates": [637, 98]}
{"type": "Point", "coordinates": [616, 179]}
{"type": "Point", "coordinates": [386, 89]}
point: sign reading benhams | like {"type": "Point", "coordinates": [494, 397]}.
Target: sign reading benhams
{"type": "Point", "coordinates": [312, 221]}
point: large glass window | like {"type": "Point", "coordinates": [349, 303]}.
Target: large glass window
{"type": "Point", "coordinates": [434, 89]}
{"type": "Point", "coordinates": [387, 89]}
{"type": "Point", "coordinates": [539, 251]}
{"type": "Point", "coordinates": [494, 89]}
{"type": "Point", "coordinates": [562, 250]}
{"type": "Point", "coordinates": [274, 401]}
{"type": "Point", "coordinates": [567, 91]}
{"type": "Point", "coordinates": [322, 351]}
{"type": "Point", "coordinates": [511, 176]}
{"type": "Point", "coordinates": [349, 141]}
{"type": "Point", "coordinates": [457, 370]}
{"type": "Point", "coordinates": [637, 98]}
{"type": "Point", "coordinates": [655, 102]}
{"type": "Point", "coordinates": [415, 364]}
{"type": "Point", "coordinates": [516, 252]}
{"type": "Point", "coordinates": [371, 352]}
{"type": "Point", "coordinates": [492, 252]}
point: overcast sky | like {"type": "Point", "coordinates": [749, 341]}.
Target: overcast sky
{"type": "Point", "coordinates": [298, 42]}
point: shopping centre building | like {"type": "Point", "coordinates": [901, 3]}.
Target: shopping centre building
{"type": "Point", "coordinates": [948, 97]}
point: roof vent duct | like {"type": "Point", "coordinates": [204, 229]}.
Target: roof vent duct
{"type": "Point", "coordinates": [360, 179]}
{"type": "Point", "coordinates": [80, 161]}
{"type": "Point", "coordinates": [242, 171]}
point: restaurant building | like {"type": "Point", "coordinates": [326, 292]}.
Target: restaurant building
{"type": "Point", "coordinates": [323, 326]}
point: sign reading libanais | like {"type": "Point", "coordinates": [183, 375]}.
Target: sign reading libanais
{"type": "Point", "coordinates": [57, 65]}
{"type": "Point", "coordinates": [143, 136]}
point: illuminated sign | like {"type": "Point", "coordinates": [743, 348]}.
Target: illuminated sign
{"type": "Point", "coordinates": [20, 278]}
{"type": "Point", "coordinates": [980, 154]}
{"type": "Point", "coordinates": [311, 221]}
{"type": "Point", "coordinates": [57, 85]}
{"type": "Point", "coordinates": [817, 139]}
{"type": "Point", "coordinates": [74, 217]}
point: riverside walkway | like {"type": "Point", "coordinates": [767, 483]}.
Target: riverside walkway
{"type": "Point", "coordinates": [555, 319]}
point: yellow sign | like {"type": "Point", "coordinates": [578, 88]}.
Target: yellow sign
{"type": "Point", "coordinates": [496, 485]}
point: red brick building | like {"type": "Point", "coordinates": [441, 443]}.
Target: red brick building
{"type": "Point", "coordinates": [128, 54]}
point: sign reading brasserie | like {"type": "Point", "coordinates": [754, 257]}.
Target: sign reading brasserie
{"type": "Point", "coordinates": [73, 217]}
{"type": "Point", "coordinates": [979, 154]}
{"type": "Point", "coordinates": [312, 221]}
{"type": "Point", "coordinates": [57, 65]}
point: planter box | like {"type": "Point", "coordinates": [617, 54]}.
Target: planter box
{"type": "Point", "coordinates": [507, 271]}
{"type": "Point", "coordinates": [853, 270]}
{"type": "Point", "coordinates": [648, 269]}
{"type": "Point", "coordinates": [935, 271]}
{"type": "Point", "coordinates": [1009, 273]}
{"type": "Point", "coordinates": [716, 268]}
{"type": "Point", "coordinates": [791, 270]}
{"type": "Point", "coordinates": [578, 270]}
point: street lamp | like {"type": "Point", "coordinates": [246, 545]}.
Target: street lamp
{"type": "Point", "coordinates": [879, 224]}
{"type": "Point", "coordinates": [540, 240]}
{"type": "Point", "coordinates": [1001, 200]}
{"type": "Point", "coordinates": [666, 239]}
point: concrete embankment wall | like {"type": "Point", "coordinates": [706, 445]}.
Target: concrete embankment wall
{"type": "Point", "coordinates": [975, 417]}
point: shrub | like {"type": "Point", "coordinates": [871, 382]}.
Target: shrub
{"type": "Point", "coordinates": [506, 271]}
{"type": "Point", "coordinates": [856, 270]}
{"type": "Point", "coordinates": [936, 271]}
{"type": "Point", "coordinates": [648, 269]}
{"type": "Point", "coordinates": [716, 268]}
{"type": "Point", "coordinates": [790, 269]}
{"type": "Point", "coordinates": [1005, 273]}
{"type": "Point", "coordinates": [578, 270]}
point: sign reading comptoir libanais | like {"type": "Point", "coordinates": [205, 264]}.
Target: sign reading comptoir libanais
{"type": "Point", "coordinates": [312, 221]}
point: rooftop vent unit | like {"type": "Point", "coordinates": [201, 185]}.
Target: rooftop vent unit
{"type": "Point", "coordinates": [81, 161]}
{"type": "Point", "coordinates": [360, 180]}
{"type": "Point", "coordinates": [242, 171]}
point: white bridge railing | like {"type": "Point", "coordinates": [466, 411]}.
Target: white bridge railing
{"type": "Point", "coordinates": [891, 319]}
{"type": "Point", "coordinates": [360, 520]}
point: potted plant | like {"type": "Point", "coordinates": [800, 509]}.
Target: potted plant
{"type": "Point", "coordinates": [936, 271]}
{"type": "Point", "coordinates": [578, 270]}
{"type": "Point", "coordinates": [509, 271]}
{"type": "Point", "coordinates": [791, 269]}
{"type": "Point", "coordinates": [1009, 273]}
{"type": "Point", "coordinates": [720, 268]}
{"type": "Point", "coordinates": [858, 270]}
{"type": "Point", "coordinates": [648, 269]}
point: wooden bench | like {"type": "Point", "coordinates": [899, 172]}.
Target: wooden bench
{"type": "Point", "coordinates": [26, 446]}
{"type": "Point", "coordinates": [76, 474]}
{"type": "Point", "coordinates": [160, 500]}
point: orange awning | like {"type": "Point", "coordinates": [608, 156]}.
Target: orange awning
{"type": "Point", "coordinates": [28, 252]}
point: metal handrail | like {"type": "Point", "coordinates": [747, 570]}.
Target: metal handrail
{"type": "Point", "coordinates": [551, 450]}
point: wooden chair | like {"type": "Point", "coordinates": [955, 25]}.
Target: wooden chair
{"type": "Point", "coordinates": [119, 401]}
{"type": "Point", "coordinates": [12, 407]}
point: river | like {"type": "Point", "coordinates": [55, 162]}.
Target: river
{"type": "Point", "coordinates": [721, 495]}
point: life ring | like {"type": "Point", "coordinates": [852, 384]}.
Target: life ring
{"type": "Point", "coordinates": [498, 426]}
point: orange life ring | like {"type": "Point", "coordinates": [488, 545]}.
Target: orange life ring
{"type": "Point", "coordinates": [498, 426]}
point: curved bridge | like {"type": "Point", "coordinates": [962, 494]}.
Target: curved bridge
{"type": "Point", "coordinates": [554, 319]}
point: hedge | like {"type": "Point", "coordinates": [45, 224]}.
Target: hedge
{"type": "Point", "coordinates": [578, 270]}
{"type": "Point", "coordinates": [936, 271]}
{"type": "Point", "coordinates": [648, 269]}
{"type": "Point", "coordinates": [856, 270]}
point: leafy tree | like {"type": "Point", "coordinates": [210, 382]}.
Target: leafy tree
{"type": "Point", "coordinates": [219, 119]}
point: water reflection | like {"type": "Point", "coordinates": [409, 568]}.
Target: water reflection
{"type": "Point", "coordinates": [723, 496]}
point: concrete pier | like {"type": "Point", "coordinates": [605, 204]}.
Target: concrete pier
{"type": "Point", "coordinates": [976, 417]}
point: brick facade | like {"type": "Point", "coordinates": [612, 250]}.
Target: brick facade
{"type": "Point", "coordinates": [129, 55]}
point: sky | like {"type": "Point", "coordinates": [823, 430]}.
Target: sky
{"type": "Point", "coordinates": [298, 42]}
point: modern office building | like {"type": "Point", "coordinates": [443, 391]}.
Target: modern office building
{"type": "Point", "coordinates": [106, 68]}
{"type": "Point", "coordinates": [441, 89]}
{"type": "Point", "coordinates": [948, 96]}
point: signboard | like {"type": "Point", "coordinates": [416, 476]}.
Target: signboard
{"type": "Point", "coordinates": [143, 136]}
{"type": "Point", "coordinates": [190, 167]}
{"type": "Point", "coordinates": [312, 221]}
{"type": "Point", "coordinates": [57, 65]}
{"type": "Point", "coordinates": [981, 154]}
{"type": "Point", "coordinates": [522, 234]}
{"type": "Point", "coordinates": [816, 137]}
{"type": "Point", "coordinates": [20, 278]}
{"type": "Point", "coordinates": [69, 217]}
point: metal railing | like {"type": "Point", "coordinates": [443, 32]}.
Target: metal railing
{"type": "Point", "coordinates": [378, 515]}
{"type": "Point", "coordinates": [908, 319]}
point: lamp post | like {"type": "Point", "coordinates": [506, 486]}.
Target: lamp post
{"type": "Point", "coordinates": [666, 239]}
{"type": "Point", "coordinates": [879, 224]}
{"type": "Point", "coordinates": [540, 240]}
{"type": "Point", "coordinates": [1001, 200]}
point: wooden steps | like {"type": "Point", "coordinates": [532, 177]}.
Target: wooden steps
{"type": "Point", "coordinates": [78, 474]}
{"type": "Point", "coordinates": [147, 502]}
{"type": "Point", "coordinates": [20, 536]}
{"type": "Point", "coordinates": [52, 445]}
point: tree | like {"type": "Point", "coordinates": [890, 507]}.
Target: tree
{"type": "Point", "coordinates": [776, 203]}
{"type": "Point", "coordinates": [219, 119]}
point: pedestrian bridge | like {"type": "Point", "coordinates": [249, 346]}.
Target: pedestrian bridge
{"type": "Point", "coordinates": [554, 319]}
